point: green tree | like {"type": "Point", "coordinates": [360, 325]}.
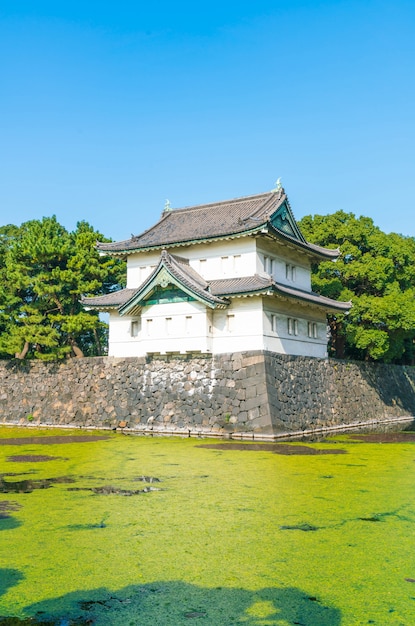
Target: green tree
{"type": "Point", "coordinates": [376, 271]}
{"type": "Point", "coordinates": [44, 271]}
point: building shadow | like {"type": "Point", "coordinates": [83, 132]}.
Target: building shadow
{"type": "Point", "coordinates": [393, 384]}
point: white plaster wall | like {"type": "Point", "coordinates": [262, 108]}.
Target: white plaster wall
{"type": "Point", "coordinates": [226, 259]}
{"type": "Point", "coordinates": [120, 342]}
{"type": "Point", "coordinates": [178, 327]}
{"type": "Point", "coordinates": [283, 255]}
{"type": "Point", "coordinates": [139, 266]}
{"type": "Point", "coordinates": [245, 330]}
{"type": "Point", "coordinates": [207, 259]}
{"type": "Point", "coordinates": [213, 331]}
{"type": "Point", "coordinates": [281, 341]}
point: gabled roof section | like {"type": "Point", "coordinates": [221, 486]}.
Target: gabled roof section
{"type": "Point", "coordinates": [176, 271]}
{"type": "Point", "coordinates": [283, 220]}
{"type": "Point", "coordinates": [317, 252]}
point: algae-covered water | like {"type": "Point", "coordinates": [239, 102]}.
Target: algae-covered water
{"type": "Point", "coordinates": [124, 530]}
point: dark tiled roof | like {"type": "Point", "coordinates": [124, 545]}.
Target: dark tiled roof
{"type": "Point", "coordinates": [110, 300]}
{"type": "Point", "coordinates": [257, 284]}
{"type": "Point", "coordinates": [311, 296]}
{"type": "Point", "coordinates": [206, 221]}
{"type": "Point", "coordinates": [246, 284]}
{"type": "Point", "coordinates": [219, 220]}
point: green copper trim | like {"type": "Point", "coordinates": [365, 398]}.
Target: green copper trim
{"type": "Point", "coordinates": [167, 295]}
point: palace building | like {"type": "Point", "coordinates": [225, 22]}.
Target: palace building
{"type": "Point", "coordinates": [218, 278]}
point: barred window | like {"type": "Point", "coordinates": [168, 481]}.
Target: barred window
{"type": "Point", "coordinates": [292, 326]}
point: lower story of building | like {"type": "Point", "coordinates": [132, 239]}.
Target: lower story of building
{"type": "Point", "coordinates": [249, 323]}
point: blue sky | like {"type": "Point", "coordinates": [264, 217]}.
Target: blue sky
{"type": "Point", "coordinates": [109, 108]}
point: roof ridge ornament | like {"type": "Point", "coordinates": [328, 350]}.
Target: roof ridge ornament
{"type": "Point", "coordinates": [278, 185]}
{"type": "Point", "coordinates": [167, 207]}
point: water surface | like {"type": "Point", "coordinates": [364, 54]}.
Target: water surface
{"type": "Point", "coordinates": [123, 530]}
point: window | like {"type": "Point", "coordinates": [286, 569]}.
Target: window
{"type": "Point", "coordinates": [188, 324]}
{"type": "Point", "coordinates": [312, 330]}
{"type": "Point", "coordinates": [225, 264]}
{"type": "Point", "coordinates": [135, 328]}
{"type": "Point", "coordinates": [149, 327]}
{"type": "Point", "coordinates": [202, 266]}
{"type": "Point", "coordinates": [168, 325]}
{"type": "Point", "coordinates": [236, 263]}
{"type": "Point", "coordinates": [268, 265]}
{"type": "Point", "coordinates": [290, 272]}
{"type": "Point", "coordinates": [292, 326]}
{"type": "Point", "coordinates": [230, 323]}
{"type": "Point", "coordinates": [274, 323]}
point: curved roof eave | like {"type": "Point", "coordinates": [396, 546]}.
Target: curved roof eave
{"type": "Point", "coordinates": [261, 285]}
{"type": "Point", "coordinates": [108, 302]}
{"type": "Point", "coordinates": [333, 305]}
{"type": "Point", "coordinates": [186, 242]}
{"type": "Point", "coordinates": [311, 248]}
{"type": "Point", "coordinates": [313, 299]}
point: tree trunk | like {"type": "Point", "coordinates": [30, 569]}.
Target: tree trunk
{"type": "Point", "coordinates": [21, 355]}
{"type": "Point", "coordinates": [76, 349]}
{"type": "Point", "coordinates": [338, 340]}
{"type": "Point", "coordinates": [97, 342]}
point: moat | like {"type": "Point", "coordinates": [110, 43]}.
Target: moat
{"type": "Point", "coordinates": [109, 529]}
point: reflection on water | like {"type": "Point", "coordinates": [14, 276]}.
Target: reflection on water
{"type": "Point", "coordinates": [292, 533]}
{"type": "Point", "coordinates": [276, 448]}
{"type": "Point", "coordinates": [397, 426]}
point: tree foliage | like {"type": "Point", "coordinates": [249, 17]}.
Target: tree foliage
{"type": "Point", "coordinates": [376, 271]}
{"type": "Point", "coordinates": [44, 271]}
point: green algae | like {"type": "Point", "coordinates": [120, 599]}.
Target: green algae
{"type": "Point", "coordinates": [228, 538]}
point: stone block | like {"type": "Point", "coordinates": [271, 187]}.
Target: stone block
{"type": "Point", "coordinates": [252, 360]}
{"type": "Point", "coordinates": [254, 379]}
{"type": "Point", "coordinates": [261, 388]}
{"type": "Point", "coordinates": [251, 403]}
{"type": "Point", "coordinates": [250, 392]}
{"type": "Point", "coordinates": [236, 363]}
{"type": "Point", "coordinates": [253, 413]}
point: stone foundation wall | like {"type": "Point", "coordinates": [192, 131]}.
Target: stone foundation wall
{"type": "Point", "coordinates": [318, 393]}
{"type": "Point", "coordinates": [251, 393]}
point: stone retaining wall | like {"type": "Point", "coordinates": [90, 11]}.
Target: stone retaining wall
{"type": "Point", "coordinates": [250, 393]}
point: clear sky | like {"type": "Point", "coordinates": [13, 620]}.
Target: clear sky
{"type": "Point", "coordinates": [109, 108]}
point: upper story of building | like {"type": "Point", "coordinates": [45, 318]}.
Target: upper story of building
{"type": "Point", "coordinates": [250, 236]}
